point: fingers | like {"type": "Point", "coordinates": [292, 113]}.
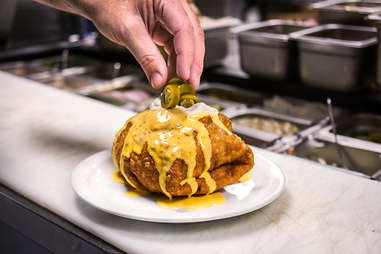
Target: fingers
{"type": "Point", "coordinates": [199, 48]}
{"type": "Point", "coordinates": [163, 38]}
{"type": "Point", "coordinates": [172, 15]}
{"type": "Point", "coordinates": [137, 39]}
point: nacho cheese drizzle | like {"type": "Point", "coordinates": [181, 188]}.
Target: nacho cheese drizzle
{"type": "Point", "coordinates": [169, 135]}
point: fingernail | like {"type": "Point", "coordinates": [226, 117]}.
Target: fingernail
{"type": "Point", "coordinates": [156, 79]}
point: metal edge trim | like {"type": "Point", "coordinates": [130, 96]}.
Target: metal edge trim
{"type": "Point", "coordinates": [303, 36]}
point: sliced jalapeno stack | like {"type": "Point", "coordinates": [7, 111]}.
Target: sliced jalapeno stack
{"type": "Point", "coordinates": [178, 92]}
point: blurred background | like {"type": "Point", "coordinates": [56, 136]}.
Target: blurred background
{"type": "Point", "coordinates": [270, 65]}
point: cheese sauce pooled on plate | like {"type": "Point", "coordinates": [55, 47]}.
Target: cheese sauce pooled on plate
{"type": "Point", "coordinates": [169, 134]}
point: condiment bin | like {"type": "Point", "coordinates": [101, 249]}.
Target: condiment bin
{"type": "Point", "coordinates": [358, 144]}
{"type": "Point", "coordinates": [226, 96]}
{"type": "Point", "coordinates": [376, 20]}
{"type": "Point", "coordinates": [260, 126]}
{"type": "Point", "coordinates": [337, 57]}
{"type": "Point", "coordinates": [350, 12]}
{"type": "Point", "coordinates": [347, 157]}
{"type": "Point", "coordinates": [266, 49]}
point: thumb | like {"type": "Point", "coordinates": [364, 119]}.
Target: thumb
{"type": "Point", "coordinates": [137, 39]}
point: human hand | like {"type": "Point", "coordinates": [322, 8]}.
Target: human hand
{"type": "Point", "coordinates": [140, 24]}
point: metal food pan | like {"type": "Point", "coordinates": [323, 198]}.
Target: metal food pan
{"type": "Point", "coordinates": [270, 125]}
{"type": "Point", "coordinates": [227, 96]}
{"type": "Point", "coordinates": [350, 12]}
{"type": "Point", "coordinates": [361, 129]}
{"type": "Point", "coordinates": [109, 71]}
{"type": "Point", "coordinates": [362, 162]}
{"type": "Point", "coordinates": [136, 96]}
{"type": "Point", "coordinates": [67, 83]}
{"type": "Point", "coordinates": [337, 57]}
{"type": "Point", "coordinates": [66, 61]}
{"type": "Point", "coordinates": [216, 33]}
{"type": "Point", "coordinates": [22, 69]}
{"type": "Point", "coordinates": [376, 19]}
{"type": "Point", "coordinates": [313, 111]}
{"type": "Point", "coordinates": [266, 49]}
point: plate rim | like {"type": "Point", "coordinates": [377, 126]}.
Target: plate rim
{"type": "Point", "coordinates": [278, 191]}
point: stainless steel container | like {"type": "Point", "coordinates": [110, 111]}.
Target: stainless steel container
{"type": "Point", "coordinates": [351, 12]}
{"type": "Point", "coordinates": [271, 125]}
{"type": "Point", "coordinates": [21, 68]}
{"type": "Point", "coordinates": [362, 129]}
{"type": "Point", "coordinates": [135, 96]}
{"type": "Point", "coordinates": [337, 57]}
{"type": "Point", "coordinates": [266, 49]}
{"type": "Point", "coordinates": [357, 148]}
{"type": "Point", "coordinates": [216, 32]}
{"type": "Point", "coordinates": [347, 158]}
{"type": "Point", "coordinates": [376, 19]}
{"type": "Point", "coordinates": [227, 96]}
{"type": "Point", "coordinates": [67, 83]}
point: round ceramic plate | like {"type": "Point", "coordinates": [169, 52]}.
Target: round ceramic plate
{"type": "Point", "coordinates": [92, 181]}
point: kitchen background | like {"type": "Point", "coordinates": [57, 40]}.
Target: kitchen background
{"type": "Point", "coordinates": [296, 77]}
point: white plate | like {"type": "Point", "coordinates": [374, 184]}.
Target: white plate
{"type": "Point", "coordinates": [91, 181]}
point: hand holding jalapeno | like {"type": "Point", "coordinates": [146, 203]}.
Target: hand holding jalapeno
{"type": "Point", "coordinates": [178, 92]}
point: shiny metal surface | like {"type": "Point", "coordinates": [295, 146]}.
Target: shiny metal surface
{"type": "Point", "coordinates": [259, 137]}
{"type": "Point", "coordinates": [352, 12]}
{"type": "Point", "coordinates": [337, 57]}
{"type": "Point", "coordinates": [376, 19]}
{"type": "Point", "coordinates": [266, 49]}
{"type": "Point", "coordinates": [227, 96]}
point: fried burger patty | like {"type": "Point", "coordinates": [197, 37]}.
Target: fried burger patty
{"type": "Point", "coordinates": [231, 159]}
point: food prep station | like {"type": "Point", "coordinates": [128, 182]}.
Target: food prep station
{"type": "Point", "coordinates": [281, 103]}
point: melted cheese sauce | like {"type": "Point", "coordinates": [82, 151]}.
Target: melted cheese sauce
{"type": "Point", "coordinates": [195, 202]}
{"type": "Point", "coordinates": [169, 135]}
{"type": "Point", "coordinates": [117, 177]}
{"type": "Point", "coordinates": [246, 177]}
{"type": "Point", "coordinates": [136, 193]}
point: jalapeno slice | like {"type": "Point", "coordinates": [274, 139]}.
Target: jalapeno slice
{"type": "Point", "coordinates": [170, 96]}
{"type": "Point", "coordinates": [188, 100]}
{"type": "Point", "coordinates": [175, 81]}
{"type": "Point", "coordinates": [186, 89]}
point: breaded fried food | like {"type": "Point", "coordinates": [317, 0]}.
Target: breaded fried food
{"type": "Point", "coordinates": [180, 154]}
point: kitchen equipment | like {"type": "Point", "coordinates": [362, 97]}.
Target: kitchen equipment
{"type": "Point", "coordinates": [67, 83]}
{"type": "Point", "coordinates": [262, 126]}
{"type": "Point", "coordinates": [313, 111]}
{"type": "Point", "coordinates": [363, 130]}
{"type": "Point", "coordinates": [376, 19]}
{"type": "Point", "coordinates": [365, 162]}
{"type": "Point", "coordinates": [227, 96]}
{"type": "Point", "coordinates": [358, 139]}
{"type": "Point", "coordinates": [266, 49]}
{"type": "Point", "coordinates": [20, 68]}
{"type": "Point", "coordinates": [216, 32]}
{"type": "Point", "coordinates": [337, 57]}
{"type": "Point", "coordinates": [135, 95]}
{"type": "Point", "coordinates": [351, 12]}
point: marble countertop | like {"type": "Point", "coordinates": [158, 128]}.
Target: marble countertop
{"type": "Point", "coordinates": [45, 133]}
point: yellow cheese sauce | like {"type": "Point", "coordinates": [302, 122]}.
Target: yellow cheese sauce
{"type": "Point", "coordinates": [195, 202]}
{"type": "Point", "coordinates": [168, 134]}
{"type": "Point", "coordinates": [136, 193]}
{"type": "Point", "coordinates": [246, 177]}
{"type": "Point", "coordinates": [117, 177]}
